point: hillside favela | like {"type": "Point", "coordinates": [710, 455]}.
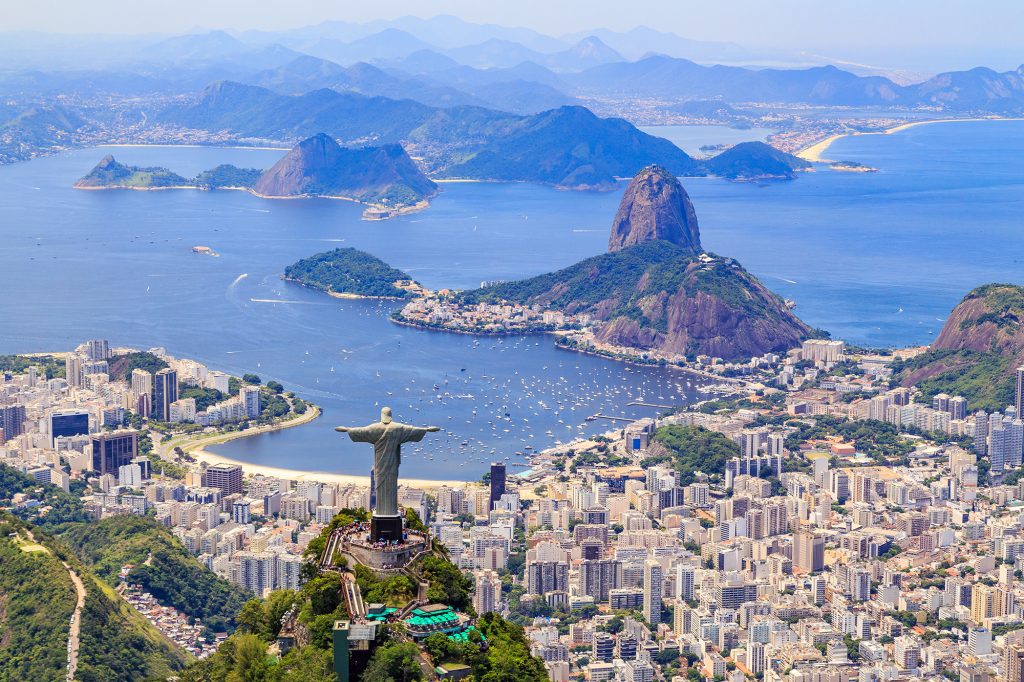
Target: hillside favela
{"type": "Point", "coordinates": [568, 341]}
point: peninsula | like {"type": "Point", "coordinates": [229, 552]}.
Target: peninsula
{"type": "Point", "coordinates": [656, 293]}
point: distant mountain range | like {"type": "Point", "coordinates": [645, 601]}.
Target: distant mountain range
{"type": "Point", "coordinates": [424, 57]}
{"type": "Point", "coordinates": [567, 147]}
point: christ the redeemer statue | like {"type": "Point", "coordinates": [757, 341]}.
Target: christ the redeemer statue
{"type": "Point", "coordinates": [387, 437]}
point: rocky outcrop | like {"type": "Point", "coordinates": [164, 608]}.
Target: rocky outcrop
{"type": "Point", "coordinates": [977, 352]}
{"type": "Point", "coordinates": [718, 309]}
{"type": "Point", "coordinates": [655, 206]}
{"type": "Point", "coordinates": [318, 166]}
{"type": "Point", "coordinates": [988, 319]}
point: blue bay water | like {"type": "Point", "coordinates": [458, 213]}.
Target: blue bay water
{"type": "Point", "coordinates": [877, 259]}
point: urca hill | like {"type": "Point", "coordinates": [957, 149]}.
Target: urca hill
{"type": "Point", "coordinates": [657, 289]}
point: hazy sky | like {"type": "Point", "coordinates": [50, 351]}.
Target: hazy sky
{"type": "Point", "coordinates": [795, 23]}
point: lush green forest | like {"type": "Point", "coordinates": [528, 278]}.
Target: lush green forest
{"type": "Point", "coordinates": [37, 599]}
{"type": "Point", "coordinates": [55, 506]}
{"type": "Point", "coordinates": [121, 366]}
{"type": "Point", "coordinates": [348, 271]}
{"type": "Point", "coordinates": [36, 602]}
{"type": "Point", "coordinates": [985, 379]}
{"type": "Point", "coordinates": [117, 643]}
{"type": "Point", "coordinates": [174, 576]}
{"type": "Point", "coordinates": [507, 657]}
{"type": "Point", "coordinates": [751, 160]}
{"type": "Point", "coordinates": [691, 449]}
{"type": "Point", "coordinates": [879, 440]}
{"type": "Point", "coordinates": [17, 364]}
{"type": "Point", "coordinates": [226, 175]}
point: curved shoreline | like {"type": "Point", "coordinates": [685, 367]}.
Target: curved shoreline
{"type": "Point", "coordinates": [813, 153]}
{"type": "Point", "coordinates": [372, 212]}
{"type": "Point", "coordinates": [197, 448]}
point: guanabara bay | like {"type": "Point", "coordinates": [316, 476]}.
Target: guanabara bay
{"type": "Point", "coordinates": [511, 342]}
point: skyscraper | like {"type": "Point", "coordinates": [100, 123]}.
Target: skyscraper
{"type": "Point", "coordinates": [685, 582]}
{"type": "Point", "coordinates": [113, 449]}
{"type": "Point", "coordinates": [1013, 662]}
{"type": "Point", "coordinates": [808, 551]}
{"type": "Point", "coordinates": [653, 578]}
{"type": "Point", "coordinates": [165, 392]}
{"type": "Point", "coordinates": [497, 482]}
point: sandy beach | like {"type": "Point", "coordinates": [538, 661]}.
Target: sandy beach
{"type": "Point", "coordinates": [815, 151]}
{"type": "Point", "coordinates": [321, 476]}
{"type": "Point", "coordinates": [197, 448]}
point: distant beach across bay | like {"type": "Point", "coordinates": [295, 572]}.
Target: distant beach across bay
{"type": "Point", "coordinates": [814, 152]}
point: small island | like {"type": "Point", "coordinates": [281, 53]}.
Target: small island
{"type": "Point", "coordinates": [351, 273]}
{"type": "Point", "coordinates": [852, 167]}
{"type": "Point", "coordinates": [110, 174]}
{"type": "Point", "coordinates": [384, 179]}
{"type": "Point", "coordinates": [751, 161]}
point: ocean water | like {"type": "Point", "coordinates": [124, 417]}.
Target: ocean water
{"type": "Point", "coordinates": [690, 138]}
{"type": "Point", "coordinates": [876, 259]}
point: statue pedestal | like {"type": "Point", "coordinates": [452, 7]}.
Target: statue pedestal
{"type": "Point", "coordinates": [385, 528]}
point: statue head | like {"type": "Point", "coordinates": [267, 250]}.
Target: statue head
{"type": "Point", "coordinates": [385, 415]}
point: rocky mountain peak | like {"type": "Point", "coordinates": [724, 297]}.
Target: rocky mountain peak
{"type": "Point", "coordinates": [655, 206]}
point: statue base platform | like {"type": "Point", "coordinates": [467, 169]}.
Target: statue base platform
{"type": "Point", "coordinates": [386, 528]}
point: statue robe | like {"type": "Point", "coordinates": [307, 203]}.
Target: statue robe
{"type": "Point", "coordinates": [387, 442]}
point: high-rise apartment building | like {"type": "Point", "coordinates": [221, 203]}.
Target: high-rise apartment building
{"type": "Point", "coordinates": [250, 396]}
{"type": "Point", "coordinates": [487, 593]}
{"type": "Point", "coordinates": [97, 349]}
{"type": "Point", "coordinates": [598, 577]}
{"type": "Point", "coordinates": [808, 551]}
{"type": "Point", "coordinates": [547, 576]}
{"type": "Point", "coordinates": [12, 421]}
{"type": "Point", "coordinates": [142, 382]}
{"type": "Point", "coordinates": [653, 579]}
{"type": "Point", "coordinates": [74, 372]}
